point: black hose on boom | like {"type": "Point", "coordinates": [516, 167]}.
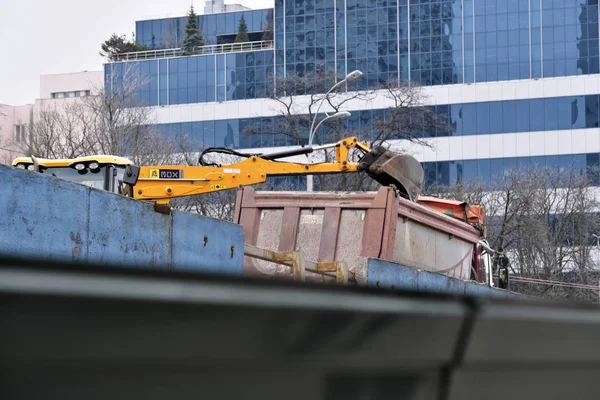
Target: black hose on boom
{"type": "Point", "coordinates": [220, 150]}
{"type": "Point", "coordinates": [270, 156]}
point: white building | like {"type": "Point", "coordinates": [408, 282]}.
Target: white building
{"type": "Point", "coordinates": [55, 91]}
{"type": "Point", "coordinates": [219, 6]}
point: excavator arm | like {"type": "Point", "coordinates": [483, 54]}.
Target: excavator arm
{"type": "Point", "coordinates": [160, 184]}
{"type": "Point", "coordinates": [163, 183]}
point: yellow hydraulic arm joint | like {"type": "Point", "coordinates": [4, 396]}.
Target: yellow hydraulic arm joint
{"type": "Point", "coordinates": [162, 183]}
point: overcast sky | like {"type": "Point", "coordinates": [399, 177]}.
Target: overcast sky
{"type": "Point", "coordinates": [39, 37]}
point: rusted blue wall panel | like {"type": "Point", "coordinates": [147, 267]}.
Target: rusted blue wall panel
{"type": "Point", "coordinates": [47, 217]}
{"type": "Point", "coordinates": [126, 231]}
{"type": "Point", "coordinates": [430, 282]}
{"type": "Point", "coordinates": [382, 276]}
{"type": "Point", "coordinates": [386, 274]}
{"type": "Point", "coordinates": [33, 218]}
{"type": "Point", "coordinates": [215, 245]}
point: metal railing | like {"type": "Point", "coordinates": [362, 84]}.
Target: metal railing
{"type": "Point", "coordinates": [197, 51]}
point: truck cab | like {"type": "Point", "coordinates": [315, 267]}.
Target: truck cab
{"type": "Point", "coordinates": [104, 172]}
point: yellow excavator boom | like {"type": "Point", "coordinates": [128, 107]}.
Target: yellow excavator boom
{"type": "Point", "coordinates": [162, 183]}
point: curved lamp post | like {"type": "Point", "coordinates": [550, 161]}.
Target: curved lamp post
{"type": "Point", "coordinates": [597, 249]}
{"type": "Point", "coordinates": [349, 78]}
{"type": "Point", "coordinates": [337, 115]}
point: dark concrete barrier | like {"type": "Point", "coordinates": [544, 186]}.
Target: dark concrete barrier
{"type": "Point", "coordinates": [76, 332]}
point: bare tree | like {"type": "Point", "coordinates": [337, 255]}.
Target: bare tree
{"type": "Point", "coordinates": [122, 124]}
{"type": "Point", "coordinates": [544, 219]}
{"type": "Point", "coordinates": [296, 101]}
{"type": "Point", "coordinates": [11, 145]}
{"type": "Point", "coordinates": [113, 121]}
{"type": "Point", "coordinates": [5, 145]}
{"type": "Point", "coordinates": [297, 98]}
{"type": "Point", "coordinates": [7, 151]}
{"type": "Point", "coordinates": [407, 117]}
{"type": "Point", "coordinates": [60, 132]}
{"type": "Point", "coordinates": [221, 204]}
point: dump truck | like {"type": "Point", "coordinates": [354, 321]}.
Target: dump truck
{"type": "Point", "coordinates": [352, 227]}
{"type": "Point", "coordinates": [336, 230]}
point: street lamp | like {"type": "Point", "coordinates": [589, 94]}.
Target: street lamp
{"type": "Point", "coordinates": [349, 78]}
{"type": "Point", "coordinates": [311, 133]}
{"type": "Point", "coordinates": [597, 249]}
{"type": "Point", "coordinates": [337, 115]}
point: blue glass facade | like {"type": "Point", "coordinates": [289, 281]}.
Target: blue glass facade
{"type": "Point", "coordinates": [433, 42]}
{"type": "Point", "coordinates": [444, 173]}
{"type": "Point", "coordinates": [196, 79]}
{"type": "Point", "coordinates": [437, 42]}
{"type": "Point", "coordinates": [168, 33]}
{"type": "Point", "coordinates": [435, 51]}
{"type": "Point", "coordinates": [232, 133]}
{"type": "Point", "coordinates": [512, 116]}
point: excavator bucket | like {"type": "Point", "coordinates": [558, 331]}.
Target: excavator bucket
{"type": "Point", "coordinates": [400, 170]}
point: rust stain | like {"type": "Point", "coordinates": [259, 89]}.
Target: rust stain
{"type": "Point", "coordinates": [104, 238]}
{"type": "Point", "coordinates": [76, 238]}
{"type": "Point", "coordinates": [28, 228]}
{"type": "Point", "coordinates": [141, 247]}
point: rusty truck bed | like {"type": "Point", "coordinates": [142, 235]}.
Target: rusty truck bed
{"type": "Point", "coordinates": [333, 226]}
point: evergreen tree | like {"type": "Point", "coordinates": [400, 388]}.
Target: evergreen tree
{"type": "Point", "coordinates": [193, 38]}
{"type": "Point", "coordinates": [116, 44]}
{"type": "Point", "coordinates": [242, 35]}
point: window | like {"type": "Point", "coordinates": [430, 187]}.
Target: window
{"type": "Point", "coordinates": [88, 177]}
{"type": "Point", "coordinates": [66, 95]}
{"type": "Point", "coordinates": [20, 134]}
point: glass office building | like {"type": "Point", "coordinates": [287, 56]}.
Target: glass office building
{"type": "Point", "coordinates": [517, 80]}
{"type": "Point", "coordinates": [214, 28]}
